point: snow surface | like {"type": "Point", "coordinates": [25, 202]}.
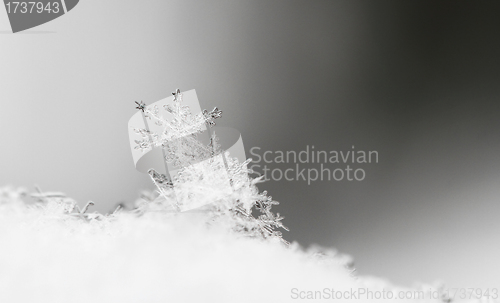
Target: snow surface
{"type": "Point", "coordinates": [48, 256]}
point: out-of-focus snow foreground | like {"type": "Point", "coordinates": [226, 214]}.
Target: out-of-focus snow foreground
{"type": "Point", "coordinates": [47, 255]}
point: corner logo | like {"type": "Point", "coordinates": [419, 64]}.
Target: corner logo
{"type": "Point", "coordinates": [24, 15]}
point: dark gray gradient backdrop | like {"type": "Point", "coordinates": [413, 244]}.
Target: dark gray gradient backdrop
{"type": "Point", "coordinates": [415, 80]}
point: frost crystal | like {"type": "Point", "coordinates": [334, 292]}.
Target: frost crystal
{"type": "Point", "coordinates": [207, 175]}
{"type": "Point", "coordinates": [140, 106]}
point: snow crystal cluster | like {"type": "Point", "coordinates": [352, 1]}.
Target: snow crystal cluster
{"type": "Point", "coordinates": [207, 176]}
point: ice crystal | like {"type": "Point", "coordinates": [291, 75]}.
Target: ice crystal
{"type": "Point", "coordinates": [58, 205]}
{"type": "Point", "coordinates": [143, 144]}
{"type": "Point", "coordinates": [212, 115]}
{"type": "Point", "coordinates": [140, 106]}
{"type": "Point", "coordinates": [207, 174]}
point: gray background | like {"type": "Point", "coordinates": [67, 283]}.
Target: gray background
{"type": "Point", "coordinates": [415, 80]}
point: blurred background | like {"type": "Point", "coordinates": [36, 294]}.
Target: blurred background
{"type": "Point", "coordinates": [416, 81]}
